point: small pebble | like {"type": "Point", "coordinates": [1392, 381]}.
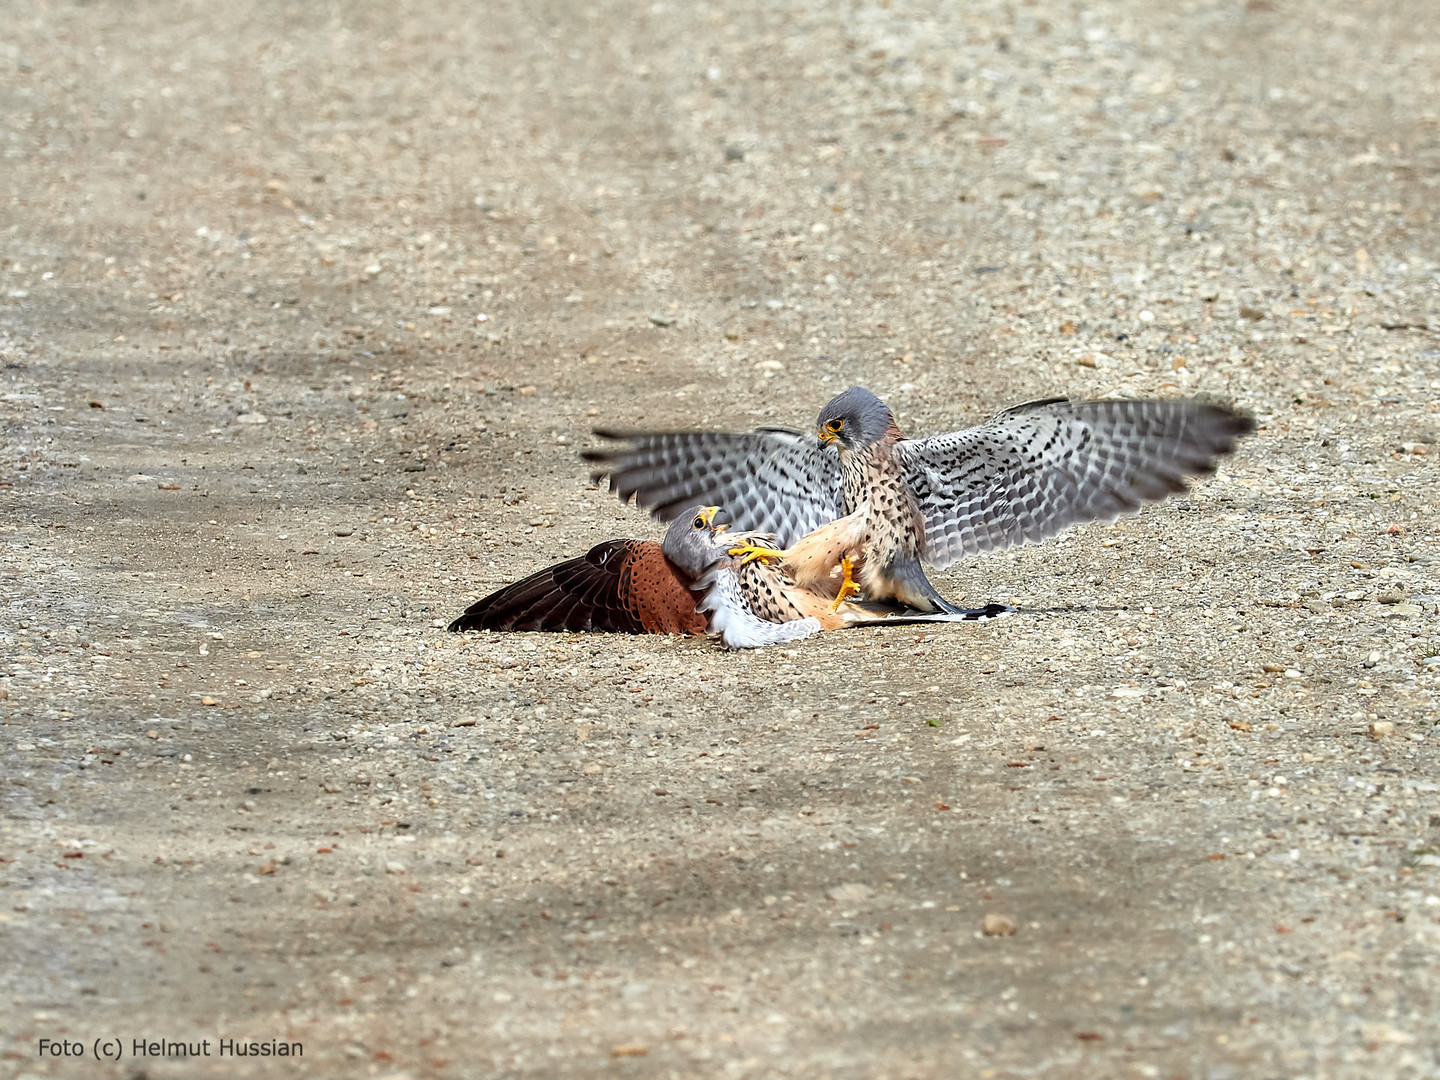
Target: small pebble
{"type": "Point", "coordinates": [849, 892]}
{"type": "Point", "coordinates": [998, 925]}
{"type": "Point", "coordinates": [394, 868]}
{"type": "Point", "coordinates": [1381, 729]}
{"type": "Point", "coordinates": [252, 418]}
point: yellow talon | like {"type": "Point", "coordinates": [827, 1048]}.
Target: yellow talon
{"type": "Point", "coordinates": [748, 553]}
{"type": "Point", "coordinates": [847, 586]}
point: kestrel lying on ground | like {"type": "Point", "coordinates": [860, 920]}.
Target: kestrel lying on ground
{"type": "Point", "coordinates": [685, 585]}
{"type": "Point", "coordinates": [889, 503]}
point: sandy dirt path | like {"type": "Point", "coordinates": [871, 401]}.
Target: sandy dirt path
{"type": "Point", "coordinates": [305, 313]}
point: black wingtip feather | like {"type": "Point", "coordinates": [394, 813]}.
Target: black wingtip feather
{"type": "Point", "coordinates": [575, 594]}
{"type": "Point", "coordinates": [1229, 420]}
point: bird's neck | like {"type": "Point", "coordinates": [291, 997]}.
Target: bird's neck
{"type": "Point", "coordinates": [862, 471]}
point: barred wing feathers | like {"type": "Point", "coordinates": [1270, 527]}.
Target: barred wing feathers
{"type": "Point", "coordinates": [1038, 468]}
{"type": "Point", "coordinates": [771, 480]}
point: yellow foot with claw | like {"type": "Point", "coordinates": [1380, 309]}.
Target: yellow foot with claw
{"type": "Point", "coordinates": [848, 587]}
{"type": "Point", "coordinates": [748, 553]}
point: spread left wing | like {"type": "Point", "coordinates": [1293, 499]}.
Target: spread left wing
{"type": "Point", "coordinates": [621, 586]}
{"type": "Point", "coordinates": [1038, 468]}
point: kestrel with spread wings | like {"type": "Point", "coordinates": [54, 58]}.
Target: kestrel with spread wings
{"type": "Point", "coordinates": [882, 505]}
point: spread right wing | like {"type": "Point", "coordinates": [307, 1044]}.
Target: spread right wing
{"type": "Point", "coordinates": [771, 480]}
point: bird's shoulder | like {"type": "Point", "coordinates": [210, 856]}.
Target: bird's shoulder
{"type": "Point", "coordinates": [613, 556]}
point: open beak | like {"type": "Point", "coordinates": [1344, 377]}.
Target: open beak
{"type": "Point", "coordinates": [714, 517]}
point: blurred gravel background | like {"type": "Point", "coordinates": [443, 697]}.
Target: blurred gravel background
{"type": "Point", "coordinates": [307, 308]}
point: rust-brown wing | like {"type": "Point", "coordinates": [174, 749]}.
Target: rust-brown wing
{"type": "Point", "coordinates": [620, 586]}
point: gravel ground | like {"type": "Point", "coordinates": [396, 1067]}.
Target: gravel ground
{"type": "Point", "coordinates": [305, 311]}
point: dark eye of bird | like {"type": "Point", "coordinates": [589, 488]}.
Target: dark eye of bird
{"type": "Point", "coordinates": [698, 523]}
{"type": "Point", "coordinates": [835, 425]}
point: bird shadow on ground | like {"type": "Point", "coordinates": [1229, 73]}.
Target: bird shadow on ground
{"type": "Point", "coordinates": [1062, 609]}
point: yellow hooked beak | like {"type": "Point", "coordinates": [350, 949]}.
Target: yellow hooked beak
{"type": "Point", "coordinates": [826, 436]}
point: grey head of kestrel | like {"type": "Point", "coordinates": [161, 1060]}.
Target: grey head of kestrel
{"type": "Point", "coordinates": [853, 420]}
{"type": "Point", "coordinates": [692, 541]}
